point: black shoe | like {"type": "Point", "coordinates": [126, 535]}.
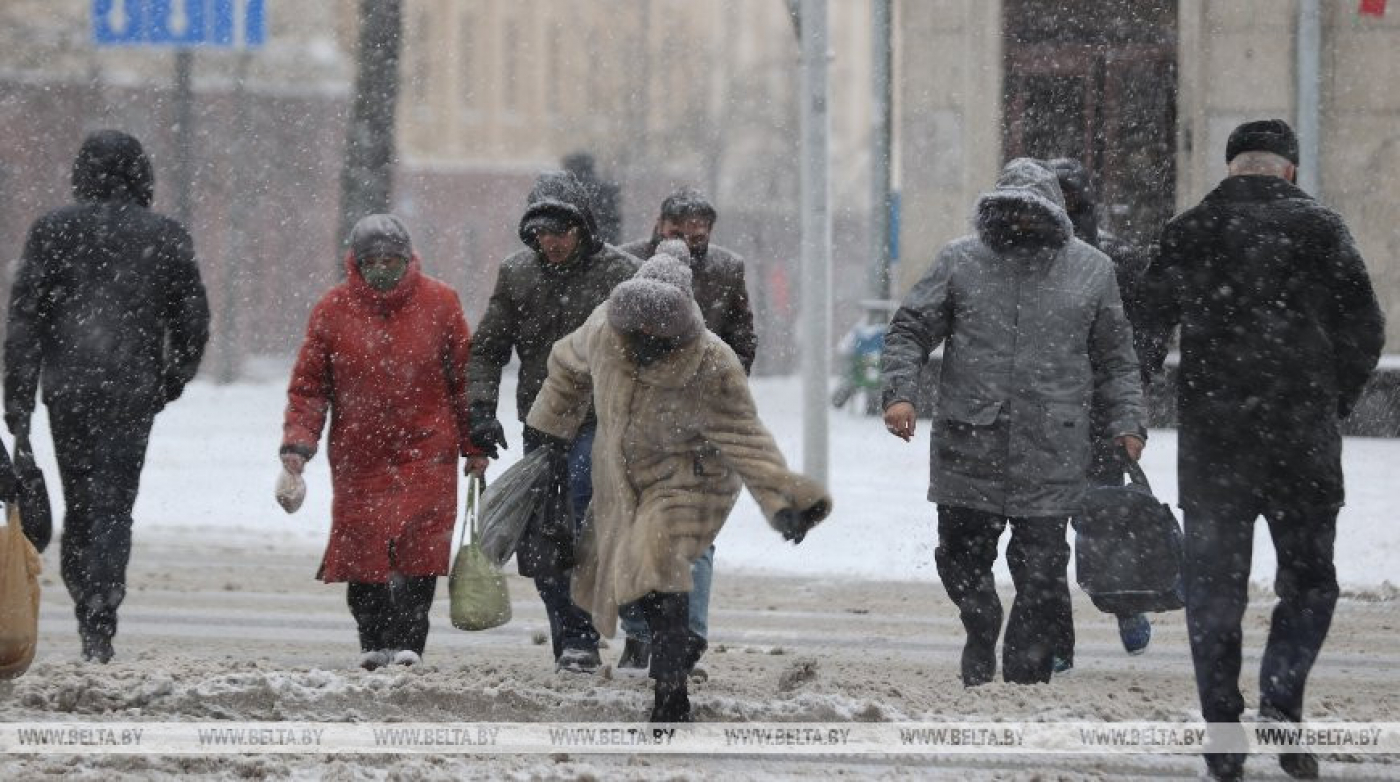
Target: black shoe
{"type": "Point", "coordinates": [1224, 767]}
{"type": "Point", "coordinates": [579, 661]}
{"type": "Point", "coordinates": [636, 657]}
{"type": "Point", "coordinates": [97, 648]}
{"type": "Point", "coordinates": [1299, 765]}
{"type": "Point", "coordinates": [672, 701]}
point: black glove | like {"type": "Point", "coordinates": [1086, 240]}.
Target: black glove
{"type": "Point", "coordinates": [486, 432]}
{"type": "Point", "coordinates": [795, 524]}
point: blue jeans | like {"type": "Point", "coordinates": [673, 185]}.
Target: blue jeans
{"type": "Point", "coordinates": [702, 573]}
{"type": "Point", "coordinates": [570, 627]}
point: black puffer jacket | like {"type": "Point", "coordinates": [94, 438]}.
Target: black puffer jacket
{"type": "Point", "coordinates": [107, 306]}
{"type": "Point", "coordinates": [536, 302]}
{"type": "Point", "coordinates": [1280, 330]}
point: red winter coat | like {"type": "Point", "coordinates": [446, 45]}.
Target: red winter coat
{"type": "Point", "coordinates": [390, 368]}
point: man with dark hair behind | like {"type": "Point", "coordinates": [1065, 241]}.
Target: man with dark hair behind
{"type": "Point", "coordinates": [684, 225]}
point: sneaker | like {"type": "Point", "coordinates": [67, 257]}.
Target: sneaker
{"type": "Point", "coordinates": [579, 661]}
{"type": "Point", "coordinates": [406, 657]}
{"type": "Point", "coordinates": [698, 673]}
{"type": "Point", "coordinates": [376, 659]}
{"type": "Point", "coordinates": [1059, 665]}
{"type": "Point", "coordinates": [635, 659]}
{"type": "Point", "coordinates": [1135, 631]}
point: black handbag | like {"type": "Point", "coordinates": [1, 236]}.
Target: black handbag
{"type": "Point", "coordinates": [1128, 548]}
{"type": "Point", "coordinates": [36, 517]}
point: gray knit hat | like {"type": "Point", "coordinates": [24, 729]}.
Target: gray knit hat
{"type": "Point", "coordinates": [658, 301]}
{"type": "Point", "coordinates": [676, 248]}
{"type": "Point", "coordinates": [381, 235]}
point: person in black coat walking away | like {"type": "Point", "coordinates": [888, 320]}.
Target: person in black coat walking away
{"type": "Point", "coordinates": [1106, 469]}
{"type": "Point", "coordinates": [108, 310]}
{"type": "Point", "coordinates": [544, 292]}
{"type": "Point", "coordinates": [605, 197]}
{"type": "Point", "coordinates": [1280, 330]}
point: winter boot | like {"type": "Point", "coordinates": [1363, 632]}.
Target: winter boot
{"type": "Point", "coordinates": [635, 659]}
{"type": "Point", "coordinates": [672, 702]}
{"type": "Point", "coordinates": [407, 657]}
{"type": "Point", "coordinates": [1135, 631]}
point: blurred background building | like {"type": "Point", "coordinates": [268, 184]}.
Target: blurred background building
{"type": "Point", "coordinates": [665, 93]}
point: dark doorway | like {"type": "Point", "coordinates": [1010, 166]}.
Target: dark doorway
{"type": "Point", "coordinates": [1095, 80]}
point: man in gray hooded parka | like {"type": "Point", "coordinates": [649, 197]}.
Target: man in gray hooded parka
{"type": "Point", "coordinates": [1033, 336]}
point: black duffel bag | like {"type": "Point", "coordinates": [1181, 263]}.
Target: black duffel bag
{"type": "Point", "coordinates": [1128, 548]}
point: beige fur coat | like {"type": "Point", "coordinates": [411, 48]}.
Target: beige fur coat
{"type": "Point", "coordinates": [675, 439]}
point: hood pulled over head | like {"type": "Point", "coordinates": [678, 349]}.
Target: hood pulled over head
{"type": "Point", "coordinates": [112, 166]}
{"type": "Point", "coordinates": [1025, 213]}
{"type": "Point", "coordinates": [557, 202]}
{"type": "Point", "coordinates": [380, 236]}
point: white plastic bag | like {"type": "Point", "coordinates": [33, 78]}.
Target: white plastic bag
{"type": "Point", "coordinates": [291, 491]}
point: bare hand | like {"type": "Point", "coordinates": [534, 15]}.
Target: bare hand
{"type": "Point", "coordinates": [476, 465]}
{"type": "Point", "coordinates": [293, 463]}
{"type": "Point", "coordinates": [899, 420]}
{"type": "Point", "coordinates": [1132, 444]}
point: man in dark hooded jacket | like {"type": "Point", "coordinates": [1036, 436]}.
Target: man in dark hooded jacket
{"type": "Point", "coordinates": [1033, 336]}
{"type": "Point", "coordinates": [1106, 469]}
{"type": "Point", "coordinates": [109, 313]}
{"type": "Point", "coordinates": [543, 293]}
{"type": "Point", "coordinates": [1280, 330]}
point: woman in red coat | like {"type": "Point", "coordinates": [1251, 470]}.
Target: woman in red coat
{"type": "Point", "coordinates": [385, 355]}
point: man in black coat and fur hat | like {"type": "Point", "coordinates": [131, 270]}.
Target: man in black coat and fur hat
{"type": "Point", "coordinates": [109, 311]}
{"type": "Point", "coordinates": [1280, 330]}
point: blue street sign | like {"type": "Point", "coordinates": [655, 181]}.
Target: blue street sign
{"type": "Point", "coordinates": [179, 23]}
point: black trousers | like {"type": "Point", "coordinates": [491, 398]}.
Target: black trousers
{"type": "Point", "coordinates": [1218, 547]}
{"type": "Point", "coordinates": [1037, 556]}
{"type": "Point", "coordinates": [101, 450]}
{"type": "Point", "coordinates": [393, 615]}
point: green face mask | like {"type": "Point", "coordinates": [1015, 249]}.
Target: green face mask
{"type": "Point", "coordinates": [381, 275]}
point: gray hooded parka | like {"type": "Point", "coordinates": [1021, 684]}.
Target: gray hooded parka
{"type": "Point", "coordinates": [1030, 342]}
